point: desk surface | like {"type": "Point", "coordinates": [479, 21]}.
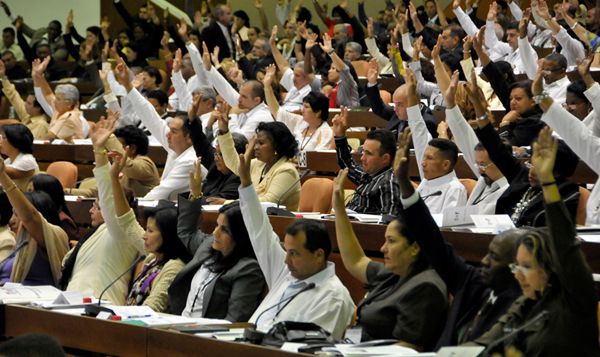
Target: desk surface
{"type": "Point", "coordinates": [121, 339]}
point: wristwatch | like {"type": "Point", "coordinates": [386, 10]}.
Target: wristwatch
{"type": "Point", "coordinates": [537, 99]}
{"type": "Point", "coordinates": [483, 117]}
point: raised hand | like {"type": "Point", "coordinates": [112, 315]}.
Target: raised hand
{"type": "Point", "coordinates": [544, 155]}
{"type": "Point", "coordinates": [435, 53]}
{"type": "Point", "coordinates": [404, 21]}
{"type": "Point", "coordinates": [137, 81]}
{"type": "Point", "coordinates": [2, 70]}
{"type": "Point", "coordinates": [245, 159]}
{"type": "Point", "coordinates": [122, 75]}
{"type": "Point", "coordinates": [5, 7]}
{"type": "Point", "coordinates": [224, 117]}
{"type": "Point", "coordinates": [311, 42]}
{"type": "Point", "coordinates": [204, 8]}
{"type": "Point", "coordinates": [119, 161]}
{"type": "Point", "coordinates": [192, 112]}
{"type": "Point", "coordinates": [236, 75]}
{"type": "Point", "coordinates": [413, 12]}
{"type": "Point", "coordinates": [471, 88]}
{"type": "Point", "coordinates": [491, 16]}
{"type": "Point", "coordinates": [339, 184]}
{"type": "Point", "coordinates": [373, 71]}
{"type": "Point", "coordinates": [543, 10]}
{"type": "Point", "coordinates": [258, 4]}
{"type": "Point", "coordinates": [182, 30]}
{"type": "Point", "coordinates": [69, 19]}
{"type": "Point", "coordinates": [103, 73]}
{"type": "Point", "coordinates": [538, 83]}
{"type": "Point", "coordinates": [478, 40]}
{"type": "Point", "coordinates": [164, 41]}
{"type": "Point", "coordinates": [302, 30]}
{"type": "Point", "coordinates": [340, 122]}
{"type": "Point", "coordinates": [214, 56]}
{"type": "Point", "coordinates": [177, 61]}
{"type": "Point", "coordinates": [394, 35]}
{"type": "Point", "coordinates": [19, 22]}
{"type": "Point", "coordinates": [114, 50]}
{"type": "Point", "coordinates": [401, 169]}
{"type": "Point", "coordinates": [102, 130]}
{"type": "Point", "coordinates": [196, 178]}
{"type": "Point", "coordinates": [417, 48]}
{"type": "Point", "coordinates": [524, 23]}
{"type": "Point", "coordinates": [206, 57]}
{"type": "Point", "coordinates": [326, 46]}
{"type": "Point", "coordinates": [370, 27]}
{"type": "Point", "coordinates": [104, 53]}
{"type": "Point", "coordinates": [456, 4]}
{"type": "Point", "coordinates": [268, 80]}
{"type": "Point", "coordinates": [411, 82]}
{"type": "Point", "coordinates": [273, 38]}
{"type": "Point", "coordinates": [450, 94]}
{"type": "Point", "coordinates": [583, 67]}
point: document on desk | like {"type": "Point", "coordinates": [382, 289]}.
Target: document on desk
{"type": "Point", "coordinates": [459, 216]}
{"type": "Point", "coordinates": [460, 351]}
{"type": "Point", "coordinates": [349, 350]}
{"type": "Point", "coordinates": [17, 293]}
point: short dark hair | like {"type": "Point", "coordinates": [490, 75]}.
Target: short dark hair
{"type": "Point", "coordinates": [96, 31]}
{"type": "Point", "coordinates": [154, 72]}
{"type": "Point", "coordinates": [134, 136]}
{"type": "Point", "coordinates": [256, 89]}
{"type": "Point", "coordinates": [242, 15]}
{"type": "Point", "coordinates": [502, 4]}
{"type": "Point", "coordinates": [44, 204]}
{"type": "Point", "coordinates": [578, 88]}
{"type": "Point", "coordinates": [386, 139]}
{"type": "Point", "coordinates": [165, 219]}
{"type": "Point", "coordinates": [184, 127]}
{"type": "Point", "coordinates": [239, 142]}
{"type": "Point", "coordinates": [56, 23]}
{"type": "Point", "coordinates": [32, 345]}
{"type": "Point", "coordinates": [10, 30]}
{"type": "Point", "coordinates": [237, 232]}
{"type": "Point", "coordinates": [524, 85]}
{"type": "Point", "coordinates": [19, 136]}
{"type": "Point", "coordinates": [314, 28]}
{"type": "Point", "coordinates": [513, 25]}
{"type": "Point", "coordinates": [160, 95]}
{"type": "Point", "coordinates": [304, 14]}
{"type": "Point", "coordinates": [561, 60]}
{"type": "Point", "coordinates": [6, 210]}
{"type": "Point", "coordinates": [456, 31]}
{"type": "Point", "coordinates": [52, 186]}
{"type": "Point", "coordinates": [447, 150]}
{"type": "Point", "coordinates": [318, 102]}
{"type": "Point", "coordinates": [7, 52]}
{"type": "Point", "coordinates": [283, 141]}
{"type": "Point", "coordinates": [453, 62]}
{"type": "Point", "coordinates": [317, 236]}
{"type": "Point", "coordinates": [506, 68]}
{"type": "Point", "coordinates": [36, 104]}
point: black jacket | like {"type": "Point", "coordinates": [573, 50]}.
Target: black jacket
{"type": "Point", "coordinates": [213, 36]}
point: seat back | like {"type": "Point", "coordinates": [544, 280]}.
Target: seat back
{"type": "Point", "coordinates": [354, 143]}
{"type": "Point", "coordinates": [315, 195]}
{"type": "Point", "coordinates": [65, 171]}
{"type": "Point", "coordinates": [385, 96]}
{"type": "Point", "coordinates": [469, 185]}
{"type": "Point", "coordinates": [581, 211]}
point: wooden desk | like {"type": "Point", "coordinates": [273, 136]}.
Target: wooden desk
{"type": "Point", "coordinates": [84, 88]}
{"type": "Point", "coordinates": [326, 163]}
{"type": "Point", "coordinates": [387, 83]}
{"type": "Point", "coordinates": [121, 339]}
{"type": "Point", "coordinates": [363, 118]}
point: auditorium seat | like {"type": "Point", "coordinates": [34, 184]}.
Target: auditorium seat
{"type": "Point", "coordinates": [469, 185]}
{"type": "Point", "coordinates": [64, 171]}
{"type": "Point", "coordinates": [581, 212]}
{"type": "Point", "coordinates": [315, 195]}
{"type": "Point", "coordinates": [385, 96]}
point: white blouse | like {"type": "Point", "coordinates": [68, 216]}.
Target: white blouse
{"type": "Point", "coordinates": [319, 140]}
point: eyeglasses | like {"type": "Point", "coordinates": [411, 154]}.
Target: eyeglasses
{"type": "Point", "coordinates": [56, 100]}
{"type": "Point", "coordinates": [547, 73]}
{"type": "Point", "coordinates": [514, 268]}
{"type": "Point", "coordinates": [529, 165]}
{"type": "Point", "coordinates": [572, 106]}
{"type": "Point", "coordinates": [1, 137]}
{"type": "Point", "coordinates": [218, 154]}
{"type": "Point", "coordinates": [96, 207]}
{"type": "Point", "coordinates": [482, 167]}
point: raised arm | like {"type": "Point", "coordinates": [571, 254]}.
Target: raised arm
{"type": "Point", "coordinates": [353, 256]}
{"type": "Point", "coordinates": [338, 63]}
{"type": "Point", "coordinates": [37, 73]}
{"type": "Point", "coordinates": [261, 14]}
{"type": "Point", "coordinates": [528, 55]}
{"type": "Point", "coordinates": [308, 70]}
{"type": "Point", "coordinates": [421, 135]}
{"type": "Point", "coordinates": [270, 98]}
{"type": "Point", "coordinates": [282, 64]}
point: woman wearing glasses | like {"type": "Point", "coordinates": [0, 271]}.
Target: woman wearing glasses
{"type": "Point", "coordinates": [61, 105]}
{"type": "Point", "coordinates": [559, 300]}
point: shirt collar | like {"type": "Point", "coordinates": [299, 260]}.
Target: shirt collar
{"type": "Point", "coordinates": [318, 278]}
{"type": "Point", "coordinates": [442, 180]}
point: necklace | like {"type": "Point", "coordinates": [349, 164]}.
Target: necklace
{"type": "Point", "coordinates": [522, 205]}
{"type": "Point", "coordinates": [303, 145]}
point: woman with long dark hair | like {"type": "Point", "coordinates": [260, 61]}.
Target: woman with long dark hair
{"type": "Point", "coordinates": [16, 142]}
{"type": "Point", "coordinates": [223, 280]}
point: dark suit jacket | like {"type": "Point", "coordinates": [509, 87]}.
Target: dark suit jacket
{"type": "Point", "coordinates": [213, 36]}
{"type": "Point", "coordinates": [462, 280]}
{"type": "Point", "coordinates": [387, 112]}
{"type": "Point", "coordinates": [250, 68]}
{"type": "Point", "coordinates": [517, 175]}
{"type": "Point", "coordinates": [234, 294]}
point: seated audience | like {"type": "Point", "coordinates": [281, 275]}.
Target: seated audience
{"type": "Point", "coordinates": [104, 252]}
{"type": "Point", "coordinates": [37, 263]}
{"type": "Point", "coordinates": [7, 237]}
{"type": "Point", "coordinates": [272, 169]}
{"type": "Point", "coordinates": [377, 191]}
{"type": "Point", "coordinates": [8, 44]}
{"type": "Point", "coordinates": [174, 137]}
{"type": "Point", "coordinates": [439, 187]}
{"type": "Point", "coordinates": [311, 130]}
{"type": "Point", "coordinates": [408, 300]}
{"type": "Point", "coordinates": [558, 288]}
{"type": "Point", "coordinates": [481, 295]}
{"type": "Point", "coordinates": [344, 89]}
{"type": "Point", "coordinates": [165, 254]}
{"type": "Point", "coordinates": [53, 187]}
{"type": "Point", "coordinates": [302, 264]}
{"type": "Point", "coordinates": [12, 69]}
{"type": "Point", "coordinates": [16, 142]}
{"type": "Point", "coordinates": [223, 280]}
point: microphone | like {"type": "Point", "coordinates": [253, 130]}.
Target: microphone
{"type": "Point", "coordinates": [255, 336]}
{"type": "Point", "coordinates": [78, 182]}
{"type": "Point", "coordinates": [436, 193]}
{"type": "Point", "coordinates": [542, 316]}
{"type": "Point", "coordinates": [276, 211]}
{"type": "Point", "coordinates": [94, 310]}
{"type": "Point", "coordinates": [13, 253]}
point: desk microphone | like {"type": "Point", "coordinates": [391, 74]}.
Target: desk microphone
{"type": "Point", "coordinates": [94, 310]}
{"type": "Point", "coordinates": [436, 193]}
{"type": "Point", "coordinates": [13, 253]}
{"type": "Point", "coordinates": [78, 182]}
{"type": "Point", "coordinates": [255, 336]}
{"type": "Point", "coordinates": [276, 211]}
{"type": "Point", "coordinates": [542, 316]}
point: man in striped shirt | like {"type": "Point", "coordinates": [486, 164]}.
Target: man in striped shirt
{"type": "Point", "coordinates": [377, 191]}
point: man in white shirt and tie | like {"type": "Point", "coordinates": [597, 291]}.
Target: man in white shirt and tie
{"type": "Point", "coordinates": [251, 98]}
{"type": "Point", "coordinates": [174, 137]}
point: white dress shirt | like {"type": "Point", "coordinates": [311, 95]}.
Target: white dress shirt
{"type": "Point", "coordinates": [584, 143]}
{"type": "Point", "coordinates": [482, 195]}
{"type": "Point", "coordinates": [181, 99]}
{"type": "Point", "coordinates": [453, 193]}
{"type": "Point", "coordinates": [501, 50]}
{"type": "Point", "coordinates": [293, 100]}
{"type": "Point", "coordinates": [175, 177]}
{"type": "Point", "coordinates": [328, 305]}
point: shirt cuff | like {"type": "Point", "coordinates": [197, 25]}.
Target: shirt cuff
{"type": "Point", "coordinates": [369, 85]}
{"type": "Point", "coordinates": [407, 202]}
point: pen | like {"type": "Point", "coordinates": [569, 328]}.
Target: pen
{"type": "Point", "coordinates": [138, 316]}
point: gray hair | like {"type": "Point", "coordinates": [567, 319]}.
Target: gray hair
{"type": "Point", "coordinates": [342, 28]}
{"type": "Point", "coordinates": [218, 11]}
{"type": "Point", "coordinates": [355, 46]}
{"type": "Point", "coordinates": [70, 91]}
{"type": "Point", "coordinates": [266, 46]}
{"type": "Point", "coordinates": [209, 93]}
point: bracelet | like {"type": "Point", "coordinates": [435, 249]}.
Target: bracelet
{"type": "Point", "coordinates": [483, 117]}
{"type": "Point", "coordinates": [442, 133]}
{"type": "Point", "coordinates": [549, 19]}
{"type": "Point", "coordinates": [574, 25]}
{"type": "Point", "coordinates": [100, 152]}
{"type": "Point", "coordinates": [467, 51]}
{"type": "Point", "coordinates": [193, 198]}
{"type": "Point", "coordinates": [537, 99]}
{"type": "Point", "coordinates": [11, 187]}
{"type": "Point", "coordinates": [395, 46]}
{"type": "Point", "coordinates": [221, 132]}
{"type": "Point", "coordinates": [546, 184]}
{"type": "Point", "coordinates": [331, 53]}
{"type": "Point", "coordinates": [504, 122]}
